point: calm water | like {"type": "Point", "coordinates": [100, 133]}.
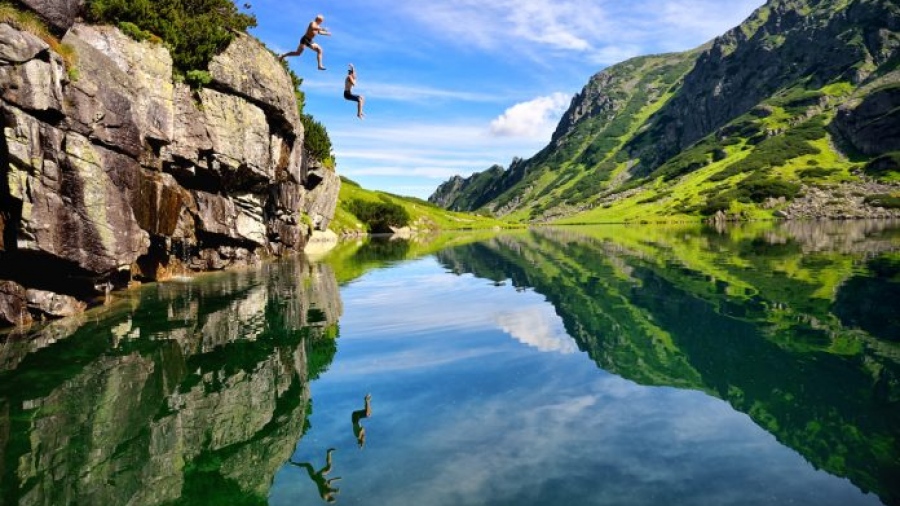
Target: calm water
{"type": "Point", "coordinates": [614, 365]}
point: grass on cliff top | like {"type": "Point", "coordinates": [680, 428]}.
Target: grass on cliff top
{"type": "Point", "coordinates": [29, 22]}
{"type": "Point", "coordinates": [422, 215]}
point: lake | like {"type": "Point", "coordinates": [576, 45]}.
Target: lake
{"type": "Point", "coordinates": [752, 364]}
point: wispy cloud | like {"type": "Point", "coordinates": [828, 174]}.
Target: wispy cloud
{"type": "Point", "coordinates": [594, 27]}
{"type": "Point", "coordinates": [533, 119]}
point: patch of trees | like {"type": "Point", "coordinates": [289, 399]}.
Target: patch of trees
{"type": "Point", "coordinates": [379, 217]}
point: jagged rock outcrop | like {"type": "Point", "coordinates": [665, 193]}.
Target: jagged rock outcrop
{"type": "Point", "coordinates": [113, 172]}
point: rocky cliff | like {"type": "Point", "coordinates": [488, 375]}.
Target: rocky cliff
{"type": "Point", "coordinates": [114, 173]}
{"type": "Point", "coordinates": [799, 98]}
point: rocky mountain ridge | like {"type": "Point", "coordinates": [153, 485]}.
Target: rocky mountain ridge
{"type": "Point", "coordinates": [802, 92]}
{"type": "Point", "coordinates": [115, 173]}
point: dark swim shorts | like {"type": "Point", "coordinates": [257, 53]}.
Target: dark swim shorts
{"type": "Point", "coordinates": [351, 96]}
{"type": "Point", "coordinates": [306, 41]}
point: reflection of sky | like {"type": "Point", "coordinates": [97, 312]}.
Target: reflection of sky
{"type": "Point", "coordinates": [463, 414]}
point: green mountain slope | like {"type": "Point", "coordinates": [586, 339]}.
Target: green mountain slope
{"type": "Point", "coordinates": [794, 113]}
{"type": "Point", "coordinates": [368, 211]}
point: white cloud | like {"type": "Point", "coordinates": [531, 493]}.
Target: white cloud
{"type": "Point", "coordinates": [538, 327]}
{"type": "Point", "coordinates": [533, 119]}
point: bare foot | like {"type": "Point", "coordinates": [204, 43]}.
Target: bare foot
{"type": "Point", "coordinates": [321, 68]}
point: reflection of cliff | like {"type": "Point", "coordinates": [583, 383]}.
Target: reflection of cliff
{"type": "Point", "coordinates": [741, 316]}
{"type": "Point", "coordinates": [202, 403]}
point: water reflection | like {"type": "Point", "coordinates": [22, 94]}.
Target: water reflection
{"type": "Point", "coordinates": [182, 393]}
{"type": "Point", "coordinates": [327, 491]}
{"type": "Point", "coordinates": [359, 432]}
{"type": "Point", "coordinates": [795, 326]}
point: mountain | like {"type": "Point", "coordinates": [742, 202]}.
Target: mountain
{"type": "Point", "coordinates": [794, 113]}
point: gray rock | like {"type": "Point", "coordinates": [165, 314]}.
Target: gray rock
{"type": "Point", "coordinates": [52, 304]}
{"type": "Point", "coordinates": [248, 69]}
{"type": "Point", "coordinates": [18, 47]}
{"type": "Point", "coordinates": [239, 132]}
{"type": "Point", "coordinates": [70, 207]}
{"type": "Point", "coordinates": [13, 306]}
{"type": "Point", "coordinates": [323, 187]}
{"type": "Point", "coordinates": [148, 67]}
{"type": "Point", "coordinates": [61, 14]}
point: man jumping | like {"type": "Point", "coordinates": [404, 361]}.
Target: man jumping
{"type": "Point", "coordinates": [349, 83]}
{"type": "Point", "coordinates": [315, 28]}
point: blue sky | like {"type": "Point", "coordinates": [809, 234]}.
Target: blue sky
{"type": "Point", "coordinates": [455, 86]}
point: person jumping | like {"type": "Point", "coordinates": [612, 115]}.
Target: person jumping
{"type": "Point", "coordinates": [349, 83]}
{"type": "Point", "coordinates": [315, 28]}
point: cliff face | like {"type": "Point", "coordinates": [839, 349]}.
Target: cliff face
{"type": "Point", "coordinates": [112, 172]}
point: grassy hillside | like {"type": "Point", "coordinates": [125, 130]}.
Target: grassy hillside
{"type": "Point", "coordinates": [793, 114]}
{"type": "Point", "coordinates": [417, 214]}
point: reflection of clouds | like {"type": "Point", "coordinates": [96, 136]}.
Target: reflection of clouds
{"type": "Point", "coordinates": [463, 416]}
{"type": "Point", "coordinates": [535, 327]}
{"type": "Point", "coordinates": [598, 446]}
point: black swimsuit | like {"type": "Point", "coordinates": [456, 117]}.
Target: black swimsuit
{"type": "Point", "coordinates": [351, 96]}
{"type": "Point", "coordinates": [306, 41]}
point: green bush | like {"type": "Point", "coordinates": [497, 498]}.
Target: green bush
{"type": "Point", "coordinates": [197, 78]}
{"type": "Point", "coordinates": [316, 140]}
{"type": "Point", "coordinates": [379, 217]}
{"type": "Point", "coordinates": [195, 30]}
{"type": "Point", "coordinates": [883, 200]}
{"type": "Point", "coordinates": [776, 151]}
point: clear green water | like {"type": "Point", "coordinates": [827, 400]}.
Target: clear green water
{"type": "Point", "coordinates": [613, 365]}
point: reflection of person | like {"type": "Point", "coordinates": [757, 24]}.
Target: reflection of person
{"type": "Point", "coordinates": [326, 491]}
{"type": "Point", "coordinates": [358, 430]}
{"type": "Point", "coordinates": [315, 28]}
{"type": "Point", "coordinates": [349, 83]}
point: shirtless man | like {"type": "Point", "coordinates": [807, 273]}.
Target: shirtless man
{"type": "Point", "coordinates": [315, 28]}
{"type": "Point", "coordinates": [349, 83]}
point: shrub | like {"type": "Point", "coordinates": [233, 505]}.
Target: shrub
{"type": "Point", "coordinates": [316, 140]}
{"type": "Point", "coordinates": [197, 78]}
{"type": "Point", "coordinates": [883, 200]}
{"type": "Point", "coordinates": [379, 217]}
{"type": "Point", "coordinates": [195, 30]}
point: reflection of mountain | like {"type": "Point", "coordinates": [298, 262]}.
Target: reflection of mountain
{"type": "Point", "coordinates": [192, 393]}
{"type": "Point", "coordinates": [745, 316]}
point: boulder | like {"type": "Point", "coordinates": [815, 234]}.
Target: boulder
{"type": "Point", "coordinates": [13, 306]}
{"type": "Point", "coordinates": [30, 82]}
{"type": "Point", "coordinates": [52, 304]}
{"type": "Point", "coordinates": [323, 187]}
{"type": "Point", "coordinates": [18, 47]}
{"type": "Point", "coordinates": [61, 14]}
{"type": "Point", "coordinates": [248, 69]}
